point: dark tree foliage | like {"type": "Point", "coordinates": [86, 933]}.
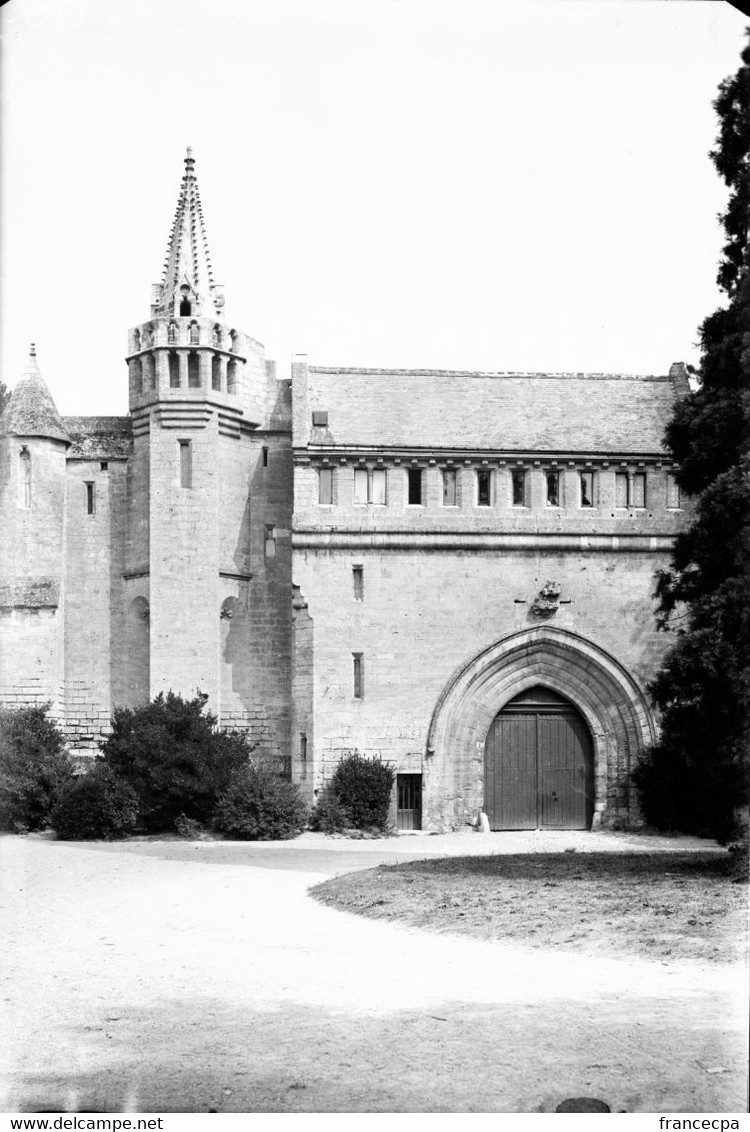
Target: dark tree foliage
{"type": "Point", "coordinates": [34, 767]}
{"type": "Point", "coordinates": [174, 757]}
{"type": "Point", "coordinates": [696, 778]}
{"type": "Point", "coordinates": [95, 805]}
{"type": "Point", "coordinates": [259, 806]}
{"type": "Point", "coordinates": [363, 788]}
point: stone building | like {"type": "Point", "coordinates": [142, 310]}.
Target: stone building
{"type": "Point", "coordinates": [452, 571]}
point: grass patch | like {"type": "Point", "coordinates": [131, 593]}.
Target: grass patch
{"type": "Point", "coordinates": [662, 906]}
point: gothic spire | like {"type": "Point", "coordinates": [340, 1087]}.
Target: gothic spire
{"type": "Point", "coordinates": [187, 287]}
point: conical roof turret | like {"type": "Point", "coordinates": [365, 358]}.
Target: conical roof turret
{"type": "Point", "coordinates": [31, 410]}
{"type": "Point", "coordinates": [187, 287]}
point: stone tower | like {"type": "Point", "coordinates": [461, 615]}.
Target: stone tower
{"type": "Point", "coordinates": [197, 386]}
{"type": "Point", "coordinates": [33, 445]}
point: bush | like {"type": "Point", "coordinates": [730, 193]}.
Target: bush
{"type": "Point", "coordinates": [33, 767]}
{"type": "Point", "coordinates": [330, 814]}
{"type": "Point", "coordinates": [96, 804]}
{"type": "Point", "coordinates": [363, 787]}
{"type": "Point", "coordinates": [679, 794]}
{"type": "Point", "coordinates": [173, 756]}
{"type": "Point", "coordinates": [260, 806]}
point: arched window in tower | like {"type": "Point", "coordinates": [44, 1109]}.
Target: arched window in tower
{"type": "Point", "coordinates": [232, 376]}
{"type": "Point", "coordinates": [216, 336]}
{"type": "Point", "coordinates": [174, 370]}
{"type": "Point", "coordinates": [149, 373]}
{"type": "Point", "coordinates": [195, 333]}
{"type": "Point", "coordinates": [172, 334]}
{"type": "Point", "coordinates": [185, 306]}
{"type": "Point", "coordinates": [136, 375]}
{"type": "Point", "coordinates": [233, 341]}
{"type": "Point", "coordinates": [194, 377]}
{"type": "Point", "coordinates": [136, 341]}
{"type": "Point", "coordinates": [24, 480]}
{"type": "Point", "coordinates": [216, 373]}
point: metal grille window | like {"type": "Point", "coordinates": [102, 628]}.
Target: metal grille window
{"type": "Point", "coordinates": [325, 485]}
{"type": "Point", "coordinates": [638, 490]}
{"type": "Point", "coordinates": [552, 480]}
{"type": "Point", "coordinates": [587, 489]}
{"type": "Point", "coordinates": [415, 486]}
{"type": "Point", "coordinates": [518, 487]}
{"type": "Point", "coordinates": [621, 489]}
{"type": "Point", "coordinates": [449, 487]}
{"type": "Point", "coordinates": [358, 665]}
{"type": "Point", "coordinates": [484, 488]}
{"type": "Point", "coordinates": [674, 497]}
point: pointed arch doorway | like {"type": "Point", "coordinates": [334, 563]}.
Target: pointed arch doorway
{"type": "Point", "coordinates": [539, 764]}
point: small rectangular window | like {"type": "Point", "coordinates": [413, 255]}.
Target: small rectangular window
{"type": "Point", "coordinates": [320, 419]}
{"type": "Point", "coordinates": [518, 483]}
{"type": "Point", "coordinates": [104, 465]}
{"type": "Point", "coordinates": [186, 464]}
{"type": "Point", "coordinates": [360, 485]}
{"type": "Point", "coordinates": [484, 488]}
{"type": "Point", "coordinates": [449, 487]}
{"type": "Point", "coordinates": [325, 485]}
{"type": "Point", "coordinates": [621, 489]}
{"type": "Point", "coordinates": [270, 542]}
{"type": "Point", "coordinates": [265, 457]}
{"type": "Point", "coordinates": [415, 486]}
{"type": "Point", "coordinates": [638, 495]}
{"type": "Point", "coordinates": [358, 576]}
{"type": "Point", "coordinates": [552, 480]}
{"type": "Point", "coordinates": [378, 487]}
{"type": "Point", "coordinates": [674, 495]}
{"type": "Point", "coordinates": [89, 499]}
{"type": "Point", "coordinates": [359, 675]}
{"type": "Point", "coordinates": [587, 489]}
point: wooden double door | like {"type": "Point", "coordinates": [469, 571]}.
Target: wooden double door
{"type": "Point", "coordinates": [539, 766]}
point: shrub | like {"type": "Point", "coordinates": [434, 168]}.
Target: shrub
{"type": "Point", "coordinates": [173, 756]}
{"type": "Point", "coordinates": [330, 815]}
{"type": "Point", "coordinates": [96, 804]}
{"type": "Point", "coordinates": [260, 806]}
{"type": "Point", "coordinates": [363, 787]}
{"type": "Point", "coordinates": [33, 767]}
{"type": "Point", "coordinates": [682, 795]}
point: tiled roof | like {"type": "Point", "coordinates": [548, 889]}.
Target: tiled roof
{"type": "Point", "coordinates": [545, 412]}
{"type": "Point", "coordinates": [31, 410]}
{"type": "Point", "coordinates": [99, 437]}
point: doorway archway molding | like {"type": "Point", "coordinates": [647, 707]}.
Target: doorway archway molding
{"type": "Point", "coordinates": [608, 696]}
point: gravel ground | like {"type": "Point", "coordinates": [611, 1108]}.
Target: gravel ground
{"type": "Point", "coordinates": [187, 976]}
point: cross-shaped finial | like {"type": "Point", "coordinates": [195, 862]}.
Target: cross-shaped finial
{"type": "Point", "coordinates": [32, 351]}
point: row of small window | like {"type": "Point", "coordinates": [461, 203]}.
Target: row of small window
{"type": "Point", "coordinates": [143, 370]}
{"type": "Point", "coordinates": [371, 487]}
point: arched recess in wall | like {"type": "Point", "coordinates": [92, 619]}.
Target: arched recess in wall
{"type": "Point", "coordinates": [137, 653]}
{"type": "Point", "coordinates": [234, 662]}
{"type": "Point", "coordinates": [606, 694]}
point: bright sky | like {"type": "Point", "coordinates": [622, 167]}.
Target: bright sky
{"type": "Point", "coordinates": [470, 184]}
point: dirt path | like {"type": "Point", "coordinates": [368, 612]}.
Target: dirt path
{"type": "Point", "coordinates": [186, 977]}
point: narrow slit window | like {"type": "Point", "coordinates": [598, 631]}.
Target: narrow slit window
{"type": "Point", "coordinates": [358, 577]}
{"type": "Point", "coordinates": [265, 457]}
{"type": "Point", "coordinates": [186, 463]}
{"type": "Point", "coordinates": [415, 486]}
{"type": "Point", "coordinates": [484, 488]}
{"type": "Point", "coordinates": [674, 496]}
{"type": "Point", "coordinates": [24, 479]}
{"type": "Point", "coordinates": [449, 487]}
{"type": "Point", "coordinates": [216, 373]}
{"type": "Point", "coordinates": [358, 664]}
{"type": "Point", "coordinates": [621, 489]}
{"type": "Point", "coordinates": [90, 499]}
{"type": "Point", "coordinates": [325, 486]}
{"type": "Point", "coordinates": [194, 377]}
{"type": "Point", "coordinates": [174, 370]}
{"type": "Point", "coordinates": [303, 753]}
{"type": "Point", "coordinates": [270, 542]}
{"type": "Point", "coordinates": [553, 488]}
{"type": "Point", "coordinates": [638, 490]}
{"type": "Point", "coordinates": [587, 489]}
{"type": "Point", "coordinates": [518, 487]}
